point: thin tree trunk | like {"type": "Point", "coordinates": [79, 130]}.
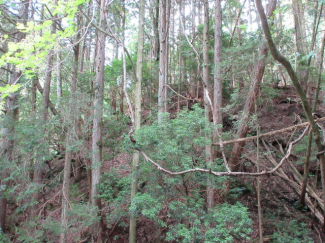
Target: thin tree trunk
{"type": "Point", "coordinates": [306, 165]}
{"type": "Point", "coordinates": [39, 165]}
{"type": "Point", "coordinates": [69, 141]}
{"type": "Point", "coordinates": [97, 122]}
{"type": "Point", "coordinates": [154, 16]}
{"type": "Point", "coordinates": [164, 14]}
{"type": "Point", "coordinates": [58, 76]}
{"type": "Point", "coordinates": [207, 107]}
{"type": "Point", "coordinates": [122, 78]}
{"type": "Point", "coordinates": [217, 100]}
{"type": "Point", "coordinates": [258, 187]}
{"type": "Point", "coordinates": [300, 41]}
{"type": "Point", "coordinates": [137, 118]}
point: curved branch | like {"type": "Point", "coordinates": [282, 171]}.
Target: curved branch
{"type": "Point", "coordinates": [228, 173]}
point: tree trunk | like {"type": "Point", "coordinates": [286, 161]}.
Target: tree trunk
{"type": "Point", "coordinates": [137, 116]}
{"type": "Point", "coordinates": [154, 16]}
{"type": "Point", "coordinates": [43, 152]}
{"type": "Point", "coordinates": [122, 78]}
{"type": "Point", "coordinates": [69, 140]}
{"type": "Point", "coordinates": [164, 12]}
{"type": "Point", "coordinates": [300, 41]}
{"type": "Point", "coordinates": [207, 107]}
{"type": "Point", "coordinates": [217, 101]}
{"type": "Point", "coordinates": [96, 159]}
{"type": "Point", "coordinates": [250, 100]}
{"type": "Point", "coordinates": [58, 76]}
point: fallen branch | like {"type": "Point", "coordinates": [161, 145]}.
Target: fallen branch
{"type": "Point", "coordinates": [297, 187]}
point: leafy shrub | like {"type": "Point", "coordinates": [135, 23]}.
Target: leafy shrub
{"type": "Point", "coordinates": [223, 223]}
{"type": "Point", "coordinates": [114, 190]}
{"type": "Point", "coordinates": [292, 232]}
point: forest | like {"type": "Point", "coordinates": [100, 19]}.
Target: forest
{"type": "Point", "coordinates": [162, 121]}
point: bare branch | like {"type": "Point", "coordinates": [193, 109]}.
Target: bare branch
{"type": "Point", "coordinates": [229, 173]}
{"type": "Point", "coordinates": [287, 129]}
{"type": "Point", "coordinates": [178, 93]}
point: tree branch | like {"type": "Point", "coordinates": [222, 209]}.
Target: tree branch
{"type": "Point", "coordinates": [228, 173]}
{"type": "Point", "coordinates": [287, 129]}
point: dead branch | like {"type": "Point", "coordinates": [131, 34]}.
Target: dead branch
{"type": "Point", "coordinates": [178, 93]}
{"type": "Point", "coordinates": [229, 173]}
{"type": "Point", "coordinates": [287, 129]}
{"type": "Point", "coordinates": [297, 187]}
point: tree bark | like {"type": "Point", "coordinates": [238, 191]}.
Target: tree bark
{"type": "Point", "coordinates": [300, 41]}
{"type": "Point", "coordinates": [96, 159]}
{"type": "Point", "coordinates": [154, 16]}
{"type": "Point", "coordinates": [207, 107]}
{"type": "Point", "coordinates": [164, 14]}
{"type": "Point", "coordinates": [137, 116]}
{"type": "Point", "coordinates": [58, 76]}
{"type": "Point", "coordinates": [217, 101]}
{"type": "Point", "coordinates": [121, 105]}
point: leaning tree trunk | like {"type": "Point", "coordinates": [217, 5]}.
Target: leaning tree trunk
{"type": "Point", "coordinates": [137, 118]}
{"type": "Point", "coordinates": [293, 76]}
{"type": "Point", "coordinates": [250, 100]}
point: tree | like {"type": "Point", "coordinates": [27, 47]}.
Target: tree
{"type": "Point", "coordinates": [251, 99]}
{"type": "Point", "coordinates": [207, 100]}
{"type": "Point", "coordinates": [97, 145]}
{"type": "Point", "coordinates": [41, 157]}
{"type": "Point", "coordinates": [137, 115]}
{"type": "Point", "coordinates": [70, 137]}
